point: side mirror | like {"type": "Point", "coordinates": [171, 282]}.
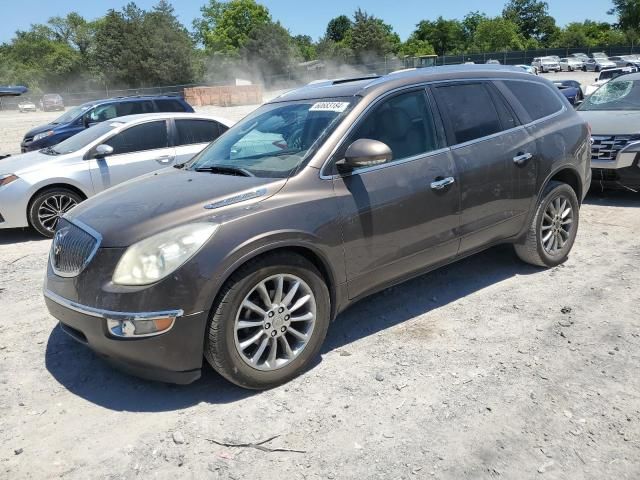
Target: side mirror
{"type": "Point", "coordinates": [86, 123]}
{"type": "Point", "coordinates": [103, 151]}
{"type": "Point", "coordinates": [365, 153]}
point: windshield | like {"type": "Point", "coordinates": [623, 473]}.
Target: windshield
{"type": "Point", "coordinates": [70, 115]}
{"type": "Point", "coordinates": [84, 138]}
{"type": "Point", "coordinates": [274, 140]}
{"type": "Point", "coordinates": [615, 95]}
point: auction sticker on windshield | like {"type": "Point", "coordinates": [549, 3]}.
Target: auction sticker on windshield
{"type": "Point", "coordinates": [329, 107]}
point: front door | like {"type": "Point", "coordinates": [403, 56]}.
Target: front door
{"type": "Point", "coordinates": [400, 217]}
{"type": "Point", "coordinates": [137, 150]}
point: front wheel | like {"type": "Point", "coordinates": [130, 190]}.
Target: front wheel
{"type": "Point", "coordinates": [49, 206]}
{"type": "Point", "coordinates": [269, 321]}
{"type": "Point", "coordinates": [553, 229]}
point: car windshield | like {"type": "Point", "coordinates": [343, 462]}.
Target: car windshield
{"type": "Point", "coordinates": [615, 95]}
{"type": "Point", "coordinates": [70, 115]}
{"type": "Point", "coordinates": [84, 138]}
{"type": "Point", "coordinates": [275, 140]}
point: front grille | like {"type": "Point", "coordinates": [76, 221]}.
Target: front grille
{"type": "Point", "coordinates": [72, 249]}
{"type": "Point", "coordinates": [606, 147]}
{"type": "Point", "coordinates": [27, 139]}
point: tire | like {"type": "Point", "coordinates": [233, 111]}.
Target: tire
{"type": "Point", "coordinates": [44, 203]}
{"type": "Point", "coordinates": [534, 249]}
{"type": "Point", "coordinates": [223, 342]}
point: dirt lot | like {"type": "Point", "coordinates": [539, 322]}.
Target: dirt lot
{"type": "Point", "coordinates": [487, 368]}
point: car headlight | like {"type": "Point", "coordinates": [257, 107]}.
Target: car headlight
{"type": "Point", "coordinates": [155, 257]}
{"type": "Point", "coordinates": [7, 179]}
{"type": "Point", "coordinates": [42, 135]}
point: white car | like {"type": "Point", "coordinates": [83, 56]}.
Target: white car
{"type": "Point", "coordinates": [26, 106]}
{"type": "Point", "coordinates": [37, 188]}
{"type": "Point", "coordinates": [607, 75]}
{"type": "Point", "coordinates": [570, 64]}
{"type": "Point", "coordinates": [545, 64]}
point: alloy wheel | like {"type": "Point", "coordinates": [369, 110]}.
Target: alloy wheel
{"type": "Point", "coordinates": [54, 207]}
{"type": "Point", "coordinates": [556, 225]}
{"type": "Point", "coordinates": [275, 322]}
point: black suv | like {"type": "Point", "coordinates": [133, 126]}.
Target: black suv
{"type": "Point", "coordinates": [77, 119]}
{"type": "Point", "coordinates": [322, 196]}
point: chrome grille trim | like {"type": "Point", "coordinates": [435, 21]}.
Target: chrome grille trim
{"type": "Point", "coordinates": [74, 246]}
{"type": "Point", "coordinates": [607, 147]}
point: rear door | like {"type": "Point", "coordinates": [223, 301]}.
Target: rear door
{"type": "Point", "coordinates": [494, 157]}
{"type": "Point", "coordinates": [192, 135]}
{"type": "Point", "coordinates": [399, 217]}
{"type": "Point", "coordinates": [137, 150]}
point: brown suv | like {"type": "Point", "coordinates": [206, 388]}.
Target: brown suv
{"type": "Point", "coordinates": [327, 194]}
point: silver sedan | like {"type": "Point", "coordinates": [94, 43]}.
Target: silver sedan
{"type": "Point", "coordinates": [37, 188]}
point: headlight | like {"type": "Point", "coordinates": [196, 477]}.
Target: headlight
{"type": "Point", "coordinates": [42, 135]}
{"type": "Point", "coordinates": [155, 257]}
{"type": "Point", "coordinates": [7, 179]}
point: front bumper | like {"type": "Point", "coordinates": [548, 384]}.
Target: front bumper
{"type": "Point", "coordinates": [174, 356]}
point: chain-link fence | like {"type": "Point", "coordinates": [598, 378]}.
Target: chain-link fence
{"type": "Point", "coordinates": [310, 71]}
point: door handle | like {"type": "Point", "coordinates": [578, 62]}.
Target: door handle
{"type": "Point", "coordinates": [522, 158]}
{"type": "Point", "coordinates": [441, 184]}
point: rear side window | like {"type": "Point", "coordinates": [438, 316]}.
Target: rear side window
{"type": "Point", "coordinates": [134, 108]}
{"type": "Point", "coordinates": [538, 100]}
{"type": "Point", "coordinates": [470, 111]}
{"type": "Point", "coordinates": [197, 131]}
{"type": "Point", "coordinates": [170, 105]}
{"type": "Point", "coordinates": [148, 136]}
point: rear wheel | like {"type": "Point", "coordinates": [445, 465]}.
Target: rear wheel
{"type": "Point", "coordinates": [47, 207]}
{"type": "Point", "coordinates": [269, 321]}
{"type": "Point", "coordinates": [553, 229]}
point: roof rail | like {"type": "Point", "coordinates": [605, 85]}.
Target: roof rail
{"type": "Point", "coordinates": [339, 81]}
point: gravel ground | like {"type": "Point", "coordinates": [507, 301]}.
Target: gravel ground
{"type": "Point", "coordinates": [488, 368]}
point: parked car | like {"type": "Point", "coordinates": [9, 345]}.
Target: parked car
{"type": "Point", "coordinates": [597, 63]}
{"type": "Point", "coordinates": [27, 106]}
{"type": "Point", "coordinates": [39, 187]}
{"type": "Point", "coordinates": [77, 119]}
{"type": "Point", "coordinates": [528, 69]}
{"type": "Point", "coordinates": [606, 75]}
{"type": "Point", "coordinates": [545, 64]}
{"type": "Point", "coordinates": [241, 257]}
{"type": "Point", "coordinates": [599, 55]}
{"type": "Point", "coordinates": [613, 111]}
{"type": "Point", "coordinates": [626, 61]}
{"type": "Point", "coordinates": [51, 101]}
{"type": "Point", "coordinates": [571, 89]}
{"type": "Point", "coordinates": [570, 64]}
{"type": "Point", "coordinates": [581, 56]}
{"type": "Point", "coordinates": [493, 61]}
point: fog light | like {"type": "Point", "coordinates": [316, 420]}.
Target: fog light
{"type": "Point", "coordinates": [140, 327]}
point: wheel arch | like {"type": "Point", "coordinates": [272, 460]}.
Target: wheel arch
{"type": "Point", "coordinates": [310, 253]}
{"type": "Point", "coordinates": [567, 175]}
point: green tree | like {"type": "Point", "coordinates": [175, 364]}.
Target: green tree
{"type": "Point", "coordinates": [338, 28]}
{"type": "Point", "coordinates": [370, 37]}
{"type": "Point", "coordinates": [446, 36]}
{"type": "Point", "coordinates": [497, 34]}
{"type": "Point", "coordinates": [470, 24]}
{"type": "Point", "coordinates": [269, 49]}
{"type": "Point", "coordinates": [628, 13]}
{"type": "Point", "coordinates": [225, 26]}
{"type": "Point", "coordinates": [306, 48]}
{"type": "Point", "coordinates": [414, 47]}
{"type": "Point", "coordinates": [532, 18]}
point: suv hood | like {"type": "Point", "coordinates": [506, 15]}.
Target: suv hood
{"type": "Point", "coordinates": [613, 122]}
{"type": "Point", "coordinates": [144, 206]}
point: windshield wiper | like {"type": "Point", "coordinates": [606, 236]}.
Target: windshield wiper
{"type": "Point", "coordinates": [226, 170]}
{"type": "Point", "coordinates": [49, 151]}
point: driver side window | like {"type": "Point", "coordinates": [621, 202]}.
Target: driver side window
{"type": "Point", "coordinates": [148, 136]}
{"type": "Point", "coordinates": [403, 122]}
{"type": "Point", "coordinates": [102, 113]}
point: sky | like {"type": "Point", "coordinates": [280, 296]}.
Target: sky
{"type": "Point", "coordinates": [300, 16]}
